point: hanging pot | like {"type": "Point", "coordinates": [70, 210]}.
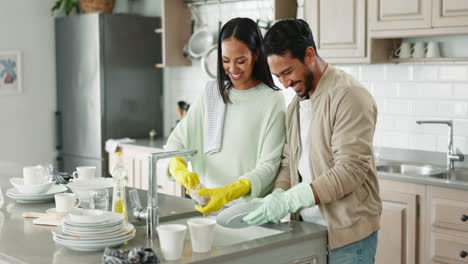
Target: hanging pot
{"type": "Point", "coordinates": [209, 62]}
{"type": "Point", "coordinates": [90, 6]}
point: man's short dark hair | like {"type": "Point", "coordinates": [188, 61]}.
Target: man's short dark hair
{"type": "Point", "coordinates": [289, 35]}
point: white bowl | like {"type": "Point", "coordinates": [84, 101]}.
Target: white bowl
{"type": "Point", "coordinates": [82, 188]}
{"type": "Point", "coordinates": [231, 217]}
{"type": "Point", "coordinates": [87, 216]}
{"type": "Point", "coordinates": [18, 183]}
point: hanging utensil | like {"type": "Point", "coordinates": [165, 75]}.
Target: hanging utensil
{"type": "Point", "coordinates": [201, 39]}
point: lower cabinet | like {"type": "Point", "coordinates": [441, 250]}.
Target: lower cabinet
{"type": "Point", "coordinates": [448, 225]}
{"type": "Point", "coordinates": [136, 160]}
{"type": "Point", "coordinates": [400, 236]}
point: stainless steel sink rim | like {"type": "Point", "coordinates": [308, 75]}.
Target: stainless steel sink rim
{"type": "Point", "coordinates": [410, 169]}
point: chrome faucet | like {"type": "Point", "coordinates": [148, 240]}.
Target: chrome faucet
{"type": "Point", "coordinates": [151, 213]}
{"type": "Point", "coordinates": [452, 156]}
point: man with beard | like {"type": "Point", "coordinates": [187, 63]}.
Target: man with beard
{"type": "Point", "coordinates": [328, 156]}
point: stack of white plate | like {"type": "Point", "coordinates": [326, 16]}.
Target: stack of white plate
{"type": "Point", "coordinates": [35, 198]}
{"type": "Point", "coordinates": [106, 231]}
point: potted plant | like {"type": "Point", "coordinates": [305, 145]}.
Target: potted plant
{"type": "Point", "coordinates": [67, 6]}
{"type": "Point", "coordinates": [87, 6]}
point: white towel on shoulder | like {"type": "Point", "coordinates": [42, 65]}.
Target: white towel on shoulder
{"type": "Point", "coordinates": [215, 110]}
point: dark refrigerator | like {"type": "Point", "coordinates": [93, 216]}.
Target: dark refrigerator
{"type": "Point", "coordinates": [107, 85]}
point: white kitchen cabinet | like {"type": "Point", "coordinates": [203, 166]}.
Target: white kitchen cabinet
{"type": "Point", "coordinates": [399, 14]}
{"type": "Point", "coordinates": [449, 13]}
{"type": "Point", "coordinates": [339, 29]}
{"type": "Point", "coordinates": [136, 160]}
{"type": "Point", "coordinates": [448, 225]}
{"type": "Point", "coordinates": [400, 236]}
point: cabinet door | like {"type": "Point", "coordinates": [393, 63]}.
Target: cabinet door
{"type": "Point", "coordinates": [449, 13]}
{"type": "Point", "coordinates": [339, 27]}
{"type": "Point", "coordinates": [398, 228]}
{"type": "Point", "coordinates": [399, 14]}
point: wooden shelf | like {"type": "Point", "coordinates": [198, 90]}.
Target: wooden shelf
{"type": "Point", "coordinates": [392, 59]}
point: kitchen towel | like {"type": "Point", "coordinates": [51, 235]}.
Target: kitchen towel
{"type": "Point", "coordinates": [112, 144]}
{"type": "Point", "coordinates": [215, 110]}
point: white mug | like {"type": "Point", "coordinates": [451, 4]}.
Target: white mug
{"type": "Point", "coordinates": [404, 51]}
{"type": "Point", "coordinates": [64, 202]}
{"type": "Point", "coordinates": [433, 50]}
{"type": "Point", "coordinates": [419, 50]}
{"type": "Point", "coordinates": [33, 175]}
{"type": "Point", "coordinates": [85, 173]}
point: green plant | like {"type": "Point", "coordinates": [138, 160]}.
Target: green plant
{"type": "Point", "coordinates": [67, 6]}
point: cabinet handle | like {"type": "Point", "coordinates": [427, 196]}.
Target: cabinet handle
{"type": "Point", "coordinates": [463, 254]}
{"type": "Point", "coordinates": [160, 186]}
{"type": "Point", "coordinates": [464, 218]}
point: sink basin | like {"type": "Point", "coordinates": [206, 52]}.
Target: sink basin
{"type": "Point", "coordinates": [229, 236]}
{"type": "Point", "coordinates": [459, 175]}
{"type": "Point", "coordinates": [409, 169]}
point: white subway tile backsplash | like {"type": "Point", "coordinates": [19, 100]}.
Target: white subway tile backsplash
{"type": "Point", "coordinates": [425, 73]}
{"type": "Point", "coordinates": [396, 107]}
{"type": "Point", "coordinates": [435, 90]}
{"type": "Point", "coordinates": [460, 91]}
{"type": "Point", "coordinates": [453, 73]}
{"type": "Point", "coordinates": [423, 142]}
{"type": "Point", "coordinates": [396, 72]}
{"type": "Point", "coordinates": [458, 142]}
{"type": "Point", "coordinates": [453, 109]}
{"type": "Point", "coordinates": [425, 108]}
{"type": "Point", "coordinates": [408, 90]}
{"type": "Point", "coordinates": [395, 140]}
{"type": "Point", "coordinates": [372, 73]}
{"type": "Point", "coordinates": [384, 89]}
{"type": "Point", "coordinates": [460, 127]}
{"type": "Point", "coordinates": [385, 123]}
{"type": "Point", "coordinates": [407, 124]}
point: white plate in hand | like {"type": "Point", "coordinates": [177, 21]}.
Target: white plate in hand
{"type": "Point", "coordinates": [231, 217]}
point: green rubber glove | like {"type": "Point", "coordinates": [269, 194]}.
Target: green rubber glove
{"type": "Point", "coordinates": [223, 195]}
{"type": "Point", "coordinates": [178, 170]}
{"type": "Point", "coordinates": [279, 203]}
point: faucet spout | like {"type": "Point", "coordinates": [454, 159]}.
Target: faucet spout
{"type": "Point", "coordinates": [151, 213]}
{"type": "Point", "coordinates": [452, 156]}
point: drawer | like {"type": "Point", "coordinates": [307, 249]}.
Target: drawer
{"type": "Point", "coordinates": [448, 248]}
{"type": "Point", "coordinates": [450, 214]}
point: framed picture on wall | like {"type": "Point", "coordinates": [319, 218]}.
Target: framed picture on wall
{"type": "Point", "coordinates": [10, 72]}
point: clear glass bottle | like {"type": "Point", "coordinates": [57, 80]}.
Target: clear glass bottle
{"type": "Point", "coordinates": [119, 174]}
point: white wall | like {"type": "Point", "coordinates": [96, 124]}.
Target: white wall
{"type": "Point", "coordinates": [26, 119]}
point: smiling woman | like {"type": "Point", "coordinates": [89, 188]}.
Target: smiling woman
{"type": "Point", "coordinates": [237, 125]}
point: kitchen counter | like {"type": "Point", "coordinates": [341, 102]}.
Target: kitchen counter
{"type": "Point", "coordinates": [23, 242]}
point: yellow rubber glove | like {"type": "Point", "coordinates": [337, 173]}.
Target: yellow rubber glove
{"type": "Point", "coordinates": [223, 195]}
{"type": "Point", "coordinates": [178, 170]}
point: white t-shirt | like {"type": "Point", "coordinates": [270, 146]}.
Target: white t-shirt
{"type": "Point", "coordinates": [311, 214]}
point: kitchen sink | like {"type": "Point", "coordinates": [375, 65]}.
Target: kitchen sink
{"type": "Point", "coordinates": [410, 169]}
{"type": "Point", "coordinates": [458, 175]}
{"type": "Point", "coordinates": [230, 236]}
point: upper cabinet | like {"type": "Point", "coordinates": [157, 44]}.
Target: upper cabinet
{"type": "Point", "coordinates": [399, 14]}
{"type": "Point", "coordinates": [450, 13]}
{"type": "Point", "coordinates": [339, 29]}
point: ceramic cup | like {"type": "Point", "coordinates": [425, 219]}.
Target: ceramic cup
{"type": "Point", "coordinates": [419, 50]}
{"type": "Point", "coordinates": [404, 51]}
{"type": "Point", "coordinates": [64, 202]}
{"type": "Point", "coordinates": [433, 50]}
{"type": "Point", "coordinates": [32, 175]}
{"type": "Point", "coordinates": [202, 233]}
{"type": "Point", "coordinates": [85, 173]}
{"type": "Point", "coordinates": [171, 240]}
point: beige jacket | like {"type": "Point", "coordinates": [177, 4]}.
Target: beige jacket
{"type": "Point", "coordinates": [341, 156]}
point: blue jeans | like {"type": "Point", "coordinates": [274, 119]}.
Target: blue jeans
{"type": "Point", "coordinates": [359, 252]}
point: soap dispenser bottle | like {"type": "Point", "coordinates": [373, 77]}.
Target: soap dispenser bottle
{"type": "Point", "coordinates": [119, 174]}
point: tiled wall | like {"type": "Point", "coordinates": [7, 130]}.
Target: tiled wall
{"type": "Point", "coordinates": [404, 92]}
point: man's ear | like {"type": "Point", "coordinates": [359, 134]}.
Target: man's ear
{"type": "Point", "coordinates": [309, 56]}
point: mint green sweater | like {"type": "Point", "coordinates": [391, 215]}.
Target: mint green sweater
{"type": "Point", "coordinates": [253, 138]}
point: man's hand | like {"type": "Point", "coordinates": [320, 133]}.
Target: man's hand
{"type": "Point", "coordinates": [279, 203]}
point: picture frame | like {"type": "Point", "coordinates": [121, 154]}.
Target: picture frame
{"type": "Point", "coordinates": [10, 72]}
